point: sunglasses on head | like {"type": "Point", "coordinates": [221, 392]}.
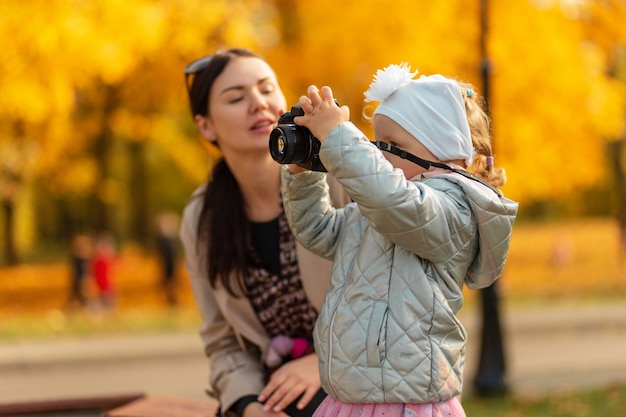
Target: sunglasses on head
{"type": "Point", "coordinates": [195, 67]}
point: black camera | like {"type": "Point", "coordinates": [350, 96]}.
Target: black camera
{"type": "Point", "coordinates": [293, 144]}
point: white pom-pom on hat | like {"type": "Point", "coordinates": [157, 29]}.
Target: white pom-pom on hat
{"type": "Point", "coordinates": [388, 80]}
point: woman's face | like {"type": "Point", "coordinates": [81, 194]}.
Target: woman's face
{"type": "Point", "coordinates": [386, 130]}
{"type": "Point", "coordinates": [244, 106]}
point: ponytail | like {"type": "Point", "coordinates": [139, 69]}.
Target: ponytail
{"type": "Point", "coordinates": [480, 129]}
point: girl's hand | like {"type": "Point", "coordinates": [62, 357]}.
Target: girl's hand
{"type": "Point", "coordinates": [321, 113]}
{"type": "Point", "coordinates": [294, 378]}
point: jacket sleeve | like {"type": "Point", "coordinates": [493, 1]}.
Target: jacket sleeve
{"type": "Point", "coordinates": [420, 218]}
{"type": "Point", "coordinates": [312, 217]}
{"type": "Point", "coordinates": [234, 372]}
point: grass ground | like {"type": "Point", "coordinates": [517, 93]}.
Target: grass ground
{"type": "Point", "coordinates": [566, 261]}
{"type": "Point", "coordinates": [602, 402]}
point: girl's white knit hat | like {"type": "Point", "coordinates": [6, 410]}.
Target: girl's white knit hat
{"type": "Point", "coordinates": [430, 108]}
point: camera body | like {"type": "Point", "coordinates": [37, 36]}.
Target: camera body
{"type": "Point", "coordinates": [293, 144]}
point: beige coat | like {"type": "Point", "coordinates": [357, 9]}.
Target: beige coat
{"type": "Point", "coordinates": [233, 336]}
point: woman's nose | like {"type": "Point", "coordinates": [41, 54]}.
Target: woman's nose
{"type": "Point", "coordinates": [258, 102]}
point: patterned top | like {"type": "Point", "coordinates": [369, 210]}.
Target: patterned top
{"type": "Point", "coordinates": [279, 300]}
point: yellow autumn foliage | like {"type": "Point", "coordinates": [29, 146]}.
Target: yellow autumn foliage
{"type": "Point", "coordinates": [73, 71]}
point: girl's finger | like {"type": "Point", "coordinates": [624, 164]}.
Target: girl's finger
{"type": "Point", "coordinates": [305, 103]}
{"type": "Point", "coordinates": [327, 93]}
{"type": "Point", "coordinates": [314, 94]}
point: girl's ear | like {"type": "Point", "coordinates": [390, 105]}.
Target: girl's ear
{"type": "Point", "coordinates": [205, 127]}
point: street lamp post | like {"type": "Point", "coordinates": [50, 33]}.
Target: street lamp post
{"type": "Point", "coordinates": [490, 378]}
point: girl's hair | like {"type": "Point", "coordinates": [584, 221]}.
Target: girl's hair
{"type": "Point", "coordinates": [223, 228]}
{"type": "Point", "coordinates": [480, 129]}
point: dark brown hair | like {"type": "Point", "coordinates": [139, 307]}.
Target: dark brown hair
{"type": "Point", "coordinates": [223, 228]}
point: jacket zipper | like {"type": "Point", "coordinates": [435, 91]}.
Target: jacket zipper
{"type": "Point", "coordinates": [330, 352]}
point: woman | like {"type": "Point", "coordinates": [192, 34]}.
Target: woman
{"type": "Point", "coordinates": [251, 280]}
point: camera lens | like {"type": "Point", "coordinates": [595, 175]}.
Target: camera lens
{"type": "Point", "coordinates": [288, 144]}
{"type": "Point", "coordinates": [280, 145]}
{"type": "Point", "coordinates": [278, 148]}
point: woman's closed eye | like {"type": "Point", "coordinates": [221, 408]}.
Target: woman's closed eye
{"type": "Point", "coordinates": [233, 95]}
{"type": "Point", "coordinates": [267, 88]}
{"type": "Point", "coordinates": [234, 100]}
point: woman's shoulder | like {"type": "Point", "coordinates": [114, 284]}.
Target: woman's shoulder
{"type": "Point", "coordinates": [194, 203]}
{"type": "Point", "coordinates": [193, 208]}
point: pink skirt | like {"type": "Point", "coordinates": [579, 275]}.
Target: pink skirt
{"type": "Point", "coordinates": [446, 408]}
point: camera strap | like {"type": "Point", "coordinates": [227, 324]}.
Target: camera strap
{"type": "Point", "coordinates": [387, 147]}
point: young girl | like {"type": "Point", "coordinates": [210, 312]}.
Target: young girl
{"type": "Point", "coordinates": [388, 339]}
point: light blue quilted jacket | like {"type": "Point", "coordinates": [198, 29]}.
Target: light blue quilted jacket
{"type": "Point", "coordinates": [388, 331]}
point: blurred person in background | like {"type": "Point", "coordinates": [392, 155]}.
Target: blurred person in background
{"type": "Point", "coordinates": [101, 270]}
{"type": "Point", "coordinates": [81, 250]}
{"type": "Point", "coordinates": [253, 283]}
{"type": "Point", "coordinates": [167, 248]}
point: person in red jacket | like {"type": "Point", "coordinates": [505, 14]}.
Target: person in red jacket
{"type": "Point", "coordinates": [101, 266]}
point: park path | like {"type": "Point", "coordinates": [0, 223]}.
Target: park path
{"type": "Point", "coordinates": [549, 348]}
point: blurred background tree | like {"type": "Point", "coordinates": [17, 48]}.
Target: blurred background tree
{"type": "Point", "coordinates": [95, 132]}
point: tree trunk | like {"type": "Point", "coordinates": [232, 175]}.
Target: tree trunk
{"type": "Point", "coordinates": [10, 251]}
{"type": "Point", "coordinates": [615, 151]}
{"type": "Point", "coordinates": [138, 185]}
{"type": "Point", "coordinates": [490, 378]}
{"type": "Point", "coordinates": [99, 209]}
{"type": "Point", "coordinates": [102, 151]}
